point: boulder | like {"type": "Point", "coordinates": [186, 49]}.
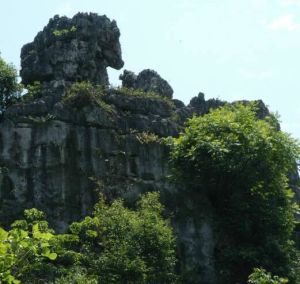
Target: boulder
{"type": "Point", "coordinates": [147, 81]}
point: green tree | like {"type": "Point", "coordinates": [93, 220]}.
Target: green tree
{"type": "Point", "coordinates": [120, 245]}
{"type": "Point", "coordinates": [26, 245]}
{"type": "Point", "coordinates": [242, 164]}
{"type": "Point", "coordinates": [114, 245]}
{"type": "Point", "coordinates": [10, 90]}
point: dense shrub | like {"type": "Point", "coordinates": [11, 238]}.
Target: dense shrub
{"type": "Point", "coordinates": [34, 91]}
{"type": "Point", "coordinates": [261, 276]}
{"type": "Point", "coordinates": [242, 164]}
{"type": "Point", "coordinates": [85, 93]}
{"type": "Point", "coordinates": [114, 245]}
{"type": "Point", "coordinates": [10, 90]}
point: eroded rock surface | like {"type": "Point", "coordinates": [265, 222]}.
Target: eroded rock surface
{"type": "Point", "coordinates": [148, 81]}
{"type": "Point", "coordinates": [53, 153]}
{"type": "Point", "coordinates": [74, 49]}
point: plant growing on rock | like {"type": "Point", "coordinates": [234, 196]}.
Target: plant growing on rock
{"type": "Point", "coordinates": [142, 94]}
{"type": "Point", "coordinates": [85, 93]}
{"type": "Point", "coordinates": [146, 137]}
{"type": "Point", "coordinates": [63, 32]}
{"type": "Point", "coordinates": [34, 92]}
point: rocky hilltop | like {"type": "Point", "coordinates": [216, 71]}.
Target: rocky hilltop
{"type": "Point", "coordinates": [58, 147]}
{"type": "Point", "coordinates": [73, 50]}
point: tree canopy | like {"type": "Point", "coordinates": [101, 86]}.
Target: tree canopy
{"type": "Point", "coordinates": [9, 87]}
{"type": "Point", "coordinates": [114, 245]}
{"type": "Point", "coordinates": [242, 163]}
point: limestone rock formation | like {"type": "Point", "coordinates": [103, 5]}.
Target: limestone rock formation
{"type": "Point", "coordinates": [54, 150]}
{"type": "Point", "coordinates": [73, 50]}
{"type": "Point", "coordinates": [148, 81]}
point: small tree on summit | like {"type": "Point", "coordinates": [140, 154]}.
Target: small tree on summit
{"type": "Point", "coordinates": [10, 89]}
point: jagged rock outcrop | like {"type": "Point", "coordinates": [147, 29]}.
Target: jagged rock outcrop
{"type": "Point", "coordinates": [76, 49]}
{"type": "Point", "coordinates": [49, 160]}
{"type": "Point", "coordinates": [56, 149]}
{"type": "Point", "coordinates": [54, 162]}
{"type": "Point", "coordinates": [147, 81]}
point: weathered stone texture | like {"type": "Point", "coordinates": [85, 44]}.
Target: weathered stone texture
{"type": "Point", "coordinates": [53, 154]}
{"type": "Point", "coordinates": [148, 81]}
{"type": "Point", "coordinates": [74, 49]}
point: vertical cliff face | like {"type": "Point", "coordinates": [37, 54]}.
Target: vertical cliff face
{"type": "Point", "coordinates": [55, 163]}
{"type": "Point", "coordinates": [56, 150]}
{"type": "Point", "coordinates": [52, 162]}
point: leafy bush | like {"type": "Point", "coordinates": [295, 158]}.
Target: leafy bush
{"type": "Point", "coordinates": [261, 276]}
{"type": "Point", "coordinates": [76, 275]}
{"type": "Point", "coordinates": [241, 163]}
{"type": "Point", "coordinates": [10, 90]}
{"type": "Point", "coordinates": [63, 32]}
{"type": "Point", "coordinates": [34, 91]}
{"type": "Point", "coordinates": [146, 95]}
{"type": "Point", "coordinates": [114, 245]}
{"type": "Point", "coordinates": [85, 93]}
{"type": "Point", "coordinates": [27, 244]}
{"type": "Point", "coordinates": [120, 245]}
{"type": "Point", "coordinates": [146, 137]}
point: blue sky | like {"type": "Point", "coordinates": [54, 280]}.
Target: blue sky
{"type": "Point", "coordinates": [229, 49]}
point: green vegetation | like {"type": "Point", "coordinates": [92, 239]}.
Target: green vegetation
{"type": "Point", "coordinates": [84, 93]}
{"type": "Point", "coordinates": [63, 32]}
{"type": "Point", "coordinates": [242, 164]}
{"type": "Point", "coordinates": [37, 119]}
{"type": "Point", "coordinates": [34, 91]}
{"type": "Point", "coordinates": [146, 137]}
{"type": "Point", "coordinates": [114, 245]}
{"type": "Point", "coordinates": [147, 95]}
{"type": "Point", "coordinates": [24, 247]}
{"type": "Point", "coordinates": [10, 90]}
{"type": "Point", "coordinates": [261, 276]}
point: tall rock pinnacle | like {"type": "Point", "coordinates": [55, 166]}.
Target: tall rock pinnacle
{"type": "Point", "coordinates": [76, 49]}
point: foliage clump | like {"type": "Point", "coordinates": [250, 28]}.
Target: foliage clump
{"type": "Point", "coordinates": [241, 163]}
{"type": "Point", "coordinates": [63, 32]}
{"type": "Point", "coordinates": [25, 247]}
{"type": "Point", "coordinates": [261, 276]}
{"type": "Point", "coordinates": [114, 245]}
{"type": "Point", "coordinates": [142, 94]}
{"type": "Point", "coordinates": [84, 93]}
{"type": "Point", "coordinates": [121, 245]}
{"type": "Point", "coordinates": [146, 137]}
{"type": "Point", "coordinates": [34, 91]}
{"type": "Point", "coordinates": [10, 89]}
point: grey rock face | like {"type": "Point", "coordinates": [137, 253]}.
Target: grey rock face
{"type": "Point", "coordinates": [200, 106]}
{"type": "Point", "coordinates": [52, 154]}
{"type": "Point", "coordinates": [74, 49]}
{"type": "Point", "coordinates": [53, 159]}
{"type": "Point", "coordinates": [147, 81]}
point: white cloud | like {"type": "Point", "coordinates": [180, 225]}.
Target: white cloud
{"type": "Point", "coordinates": [285, 22]}
{"type": "Point", "coordinates": [65, 9]}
